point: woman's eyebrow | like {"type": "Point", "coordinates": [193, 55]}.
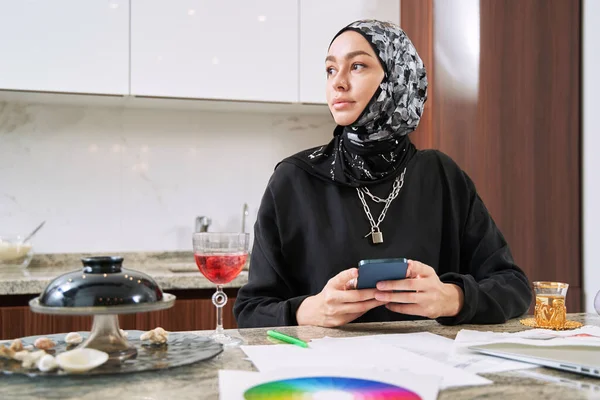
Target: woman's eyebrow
{"type": "Point", "coordinates": [350, 55]}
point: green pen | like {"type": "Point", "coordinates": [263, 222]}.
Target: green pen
{"type": "Point", "coordinates": [287, 339]}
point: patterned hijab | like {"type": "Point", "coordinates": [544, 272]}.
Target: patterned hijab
{"type": "Point", "coordinates": [375, 147]}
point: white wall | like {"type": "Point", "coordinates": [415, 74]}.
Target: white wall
{"type": "Point", "coordinates": [111, 179]}
{"type": "Point", "coordinates": [591, 146]}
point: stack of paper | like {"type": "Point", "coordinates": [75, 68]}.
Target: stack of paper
{"type": "Point", "coordinates": [370, 352]}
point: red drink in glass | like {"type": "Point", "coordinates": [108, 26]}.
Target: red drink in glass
{"type": "Point", "coordinates": [221, 268]}
{"type": "Point", "coordinates": [220, 257]}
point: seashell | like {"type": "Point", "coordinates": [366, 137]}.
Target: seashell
{"type": "Point", "coordinates": [81, 360]}
{"type": "Point", "coordinates": [147, 335]}
{"type": "Point", "coordinates": [164, 335]}
{"type": "Point", "coordinates": [73, 338]}
{"type": "Point", "coordinates": [47, 363]}
{"type": "Point", "coordinates": [6, 352]}
{"type": "Point", "coordinates": [158, 335]}
{"type": "Point", "coordinates": [124, 333]}
{"type": "Point", "coordinates": [16, 345]}
{"type": "Point", "coordinates": [20, 355]}
{"type": "Point", "coordinates": [44, 343]}
{"type": "Point", "coordinates": [29, 347]}
{"type": "Point", "coordinates": [31, 359]}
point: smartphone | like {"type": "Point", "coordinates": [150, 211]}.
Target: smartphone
{"type": "Point", "coordinates": [372, 271]}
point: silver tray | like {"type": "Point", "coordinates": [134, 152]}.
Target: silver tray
{"type": "Point", "coordinates": [167, 301]}
{"type": "Point", "coordinates": [181, 349]}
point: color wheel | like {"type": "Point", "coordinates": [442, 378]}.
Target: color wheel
{"type": "Point", "coordinates": [328, 387]}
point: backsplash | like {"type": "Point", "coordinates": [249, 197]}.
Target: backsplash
{"type": "Point", "coordinates": [115, 179]}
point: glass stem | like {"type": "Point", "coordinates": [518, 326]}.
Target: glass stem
{"type": "Point", "coordinates": [219, 300]}
{"type": "Point", "coordinates": [105, 325]}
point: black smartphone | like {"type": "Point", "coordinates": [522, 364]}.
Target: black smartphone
{"type": "Point", "coordinates": [372, 271]}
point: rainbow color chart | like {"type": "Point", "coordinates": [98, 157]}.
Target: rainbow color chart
{"type": "Point", "coordinates": [328, 387]}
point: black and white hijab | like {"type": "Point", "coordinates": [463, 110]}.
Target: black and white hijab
{"type": "Point", "coordinates": [376, 147]}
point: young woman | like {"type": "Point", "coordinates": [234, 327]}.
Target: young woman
{"type": "Point", "coordinates": [369, 194]}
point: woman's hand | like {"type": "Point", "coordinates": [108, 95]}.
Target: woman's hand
{"type": "Point", "coordinates": [338, 303]}
{"type": "Point", "coordinates": [429, 297]}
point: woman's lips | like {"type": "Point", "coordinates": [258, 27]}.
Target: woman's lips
{"type": "Point", "coordinates": [341, 105]}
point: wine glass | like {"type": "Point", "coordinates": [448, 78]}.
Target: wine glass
{"type": "Point", "coordinates": [220, 257]}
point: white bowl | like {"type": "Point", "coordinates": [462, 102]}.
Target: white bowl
{"type": "Point", "coordinates": [14, 252]}
{"type": "Point", "coordinates": [81, 360]}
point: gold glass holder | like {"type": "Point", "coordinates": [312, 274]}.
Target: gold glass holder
{"type": "Point", "coordinates": [569, 325]}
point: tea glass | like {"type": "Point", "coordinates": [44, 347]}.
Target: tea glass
{"type": "Point", "coordinates": [550, 309]}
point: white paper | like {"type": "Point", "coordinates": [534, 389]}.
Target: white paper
{"type": "Point", "coordinates": [588, 331]}
{"type": "Point", "coordinates": [368, 354]}
{"type": "Point", "coordinates": [426, 344]}
{"type": "Point", "coordinates": [462, 357]}
{"type": "Point", "coordinates": [540, 339]}
{"type": "Point", "coordinates": [233, 384]}
{"type": "Point", "coordinates": [468, 360]}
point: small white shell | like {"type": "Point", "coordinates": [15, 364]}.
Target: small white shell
{"type": "Point", "coordinates": [44, 343]}
{"type": "Point", "coordinates": [147, 335]}
{"type": "Point", "coordinates": [81, 360]}
{"type": "Point", "coordinates": [160, 338]}
{"type": "Point", "coordinates": [32, 358]}
{"type": "Point", "coordinates": [73, 338]}
{"type": "Point", "coordinates": [158, 335]}
{"type": "Point", "coordinates": [16, 345]}
{"type": "Point", "coordinates": [20, 355]}
{"type": "Point", "coordinates": [28, 347]}
{"type": "Point", "coordinates": [124, 333]}
{"type": "Point", "coordinates": [47, 363]}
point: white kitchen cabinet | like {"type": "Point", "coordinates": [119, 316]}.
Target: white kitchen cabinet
{"type": "Point", "coordinates": [78, 46]}
{"type": "Point", "coordinates": [320, 20]}
{"type": "Point", "coordinates": [227, 49]}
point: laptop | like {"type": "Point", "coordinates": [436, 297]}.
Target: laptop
{"type": "Point", "coordinates": [583, 360]}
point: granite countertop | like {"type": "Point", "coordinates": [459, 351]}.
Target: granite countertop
{"type": "Point", "coordinates": [170, 270]}
{"type": "Point", "coordinates": [199, 381]}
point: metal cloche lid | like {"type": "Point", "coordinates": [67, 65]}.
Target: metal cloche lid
{"type": "Point", "coordinates": [102, 282]}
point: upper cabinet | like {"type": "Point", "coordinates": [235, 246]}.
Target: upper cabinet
{"type": "Point", "coordinates": [65, 46]}
{"type": "Point", "coordinates": [245, 50]}
{"type": "Point", "coordinates": [231, 50]}
{"type": "Point", "coordinates": [320, 20]}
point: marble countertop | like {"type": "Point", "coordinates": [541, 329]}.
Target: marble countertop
{"type": "Point", "coordinates": [199, 381]}
{"type": "Point", "coordinates": [171, 270]}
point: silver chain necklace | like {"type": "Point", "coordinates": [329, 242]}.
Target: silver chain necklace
{"type": "Point", "coordinates": [375, 231]}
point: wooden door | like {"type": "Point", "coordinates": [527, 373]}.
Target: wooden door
{"type": "Point", "coordinates": [504, 102]}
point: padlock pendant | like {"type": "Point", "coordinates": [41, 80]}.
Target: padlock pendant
{"type": "Point", "coordinates": [377, 237]}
